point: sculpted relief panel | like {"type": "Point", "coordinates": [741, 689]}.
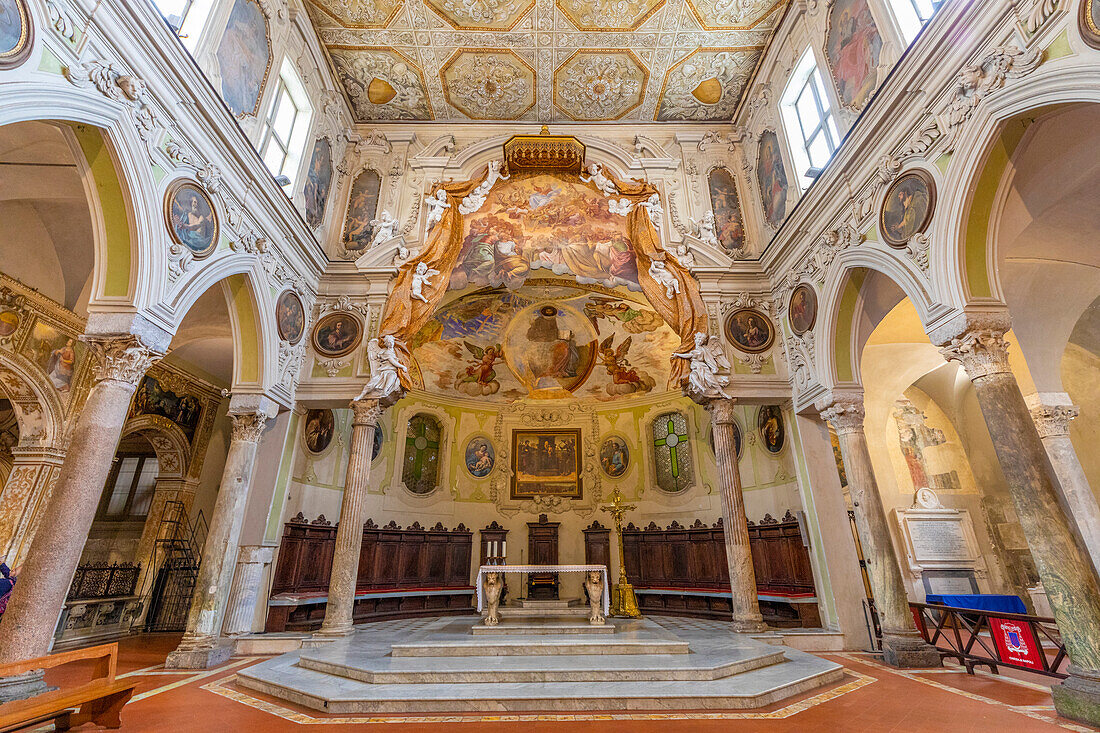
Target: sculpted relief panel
{"type": "Point", "coordinates": [489, 85]}
{"type": "Point", "coordinates": [382, 84]}
{"type": "Point", "coordinates": [706, 84]}
{"type": "Point", "coordinates": [604, 15]}
{"type": "Point", "coordinates": [599, 85]}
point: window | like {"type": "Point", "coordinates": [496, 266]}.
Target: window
{"type": "Point", "coordinates": [913, 14]}
{"type": "Point", "coordinates": [420, 471]}
{"type": "Point", "coordinates": [808, 120]}
{"type": "Point", "coordinates": [186, 18]}
{"type": "Point", "coordinates": [129, 489]}
{"type": "Point", "coordinates": [283, 133]}
{"type": "Point", "coordinates": [672, 452]}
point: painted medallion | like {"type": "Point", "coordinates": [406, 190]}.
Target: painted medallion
{"type": "Point", "coordinates": [907, 208]}
{"type": "Point", "coordinates": [480, 457]}
{"type": "Point", "coordinates": [336, 334]}
{"type": "Point", "coordinates": [614, 456]}
{"type": "Point", "coordinates": [16, 33]}
{"type": "Point", "coordinates": [802, 309]}
{"type": "Point", "coordinates": [319, 429]}
{"type": "Point", "coordinates": [750, 330]}
{"type": "Point", "coordinates": [1090, 22]}
{"type": "Point", "coordinates": [191, 218]}
{"type": "Point", "coordinates": [291, 317]}
{"type": "Point", "coordinates": [773, 433]}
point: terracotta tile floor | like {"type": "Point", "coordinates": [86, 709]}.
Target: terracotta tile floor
{"type": "Point", "coordinates": [872, 697]}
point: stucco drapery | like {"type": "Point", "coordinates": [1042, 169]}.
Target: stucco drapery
{"type": "Point", "coordinates": [404, 316]}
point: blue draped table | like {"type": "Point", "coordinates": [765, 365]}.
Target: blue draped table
{"type": "Point", "coordinates": [983, 602]}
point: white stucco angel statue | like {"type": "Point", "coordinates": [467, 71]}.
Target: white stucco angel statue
{"type": "Point", "coordinates": [684, 255]}
{"type": "Point", "coordinates": [476, 198]}
{"type": "Point", "coordinates": [660, 273]}
{"type": "Point", "coordinates": [707, 360]}
{"type": "Point", "coordinates": [384, 368]}
{"type": "Point", "coordinates": [422, 276]}
{"type": "Point", "coordinates": [621, 207]}
{"type": "Point", "coordinates": [436, 206]}
{"type": "Point", "coordinates": [385, 228]}
{"type": "Point", "coordinates": [704, 229]}
{"type": "Point", "coordinates": [596, 177]}
{"type": "Point", "coordinates": [653, 206]}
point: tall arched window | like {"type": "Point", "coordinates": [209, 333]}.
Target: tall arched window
{"type": "Point", "coordinates": [672, 452]}
{"type": "Point", "coordinates": [913, 14]}
{"type": "Point", "coordinates": [808, 120]}
{"type": "Point", "coordinates": [420, 471]}
{"type": "Point", "coordinates": [186, 18]}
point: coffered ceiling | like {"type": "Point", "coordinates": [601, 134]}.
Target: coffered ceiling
{"type": "Point", "coordinates": [544, 60]}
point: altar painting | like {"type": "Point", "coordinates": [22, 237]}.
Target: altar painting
{"type": "Point", "coordinates": [153, 398]}
{"type": "Point", "coordinates": [549, 222]}
{"type": "Point", "coordinates": [546, 463]}
{"type": "Point", "coordinates": [551, 338]}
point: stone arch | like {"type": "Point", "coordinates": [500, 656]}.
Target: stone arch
{"type": "Point", "coordinates": [171, 445]}
{"type": "Point", "coordinates": [122, 195]}
{"type": "Point", "coordinates": [841, 299]}
{"type": "Point", "coordinates": [37, 406]}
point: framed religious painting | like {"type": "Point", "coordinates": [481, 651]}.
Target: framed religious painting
{"type": "Point", "coordinates": [480, 457]}
{"type": "Point", "coordinates": [1090, 22]}
{"type": "Point", "coordinates": [750, 330]}
{"type": "Point", "coordinates": [614, 456]}
{"type": "Point", "coordinates": [802, 309]}
{"type": "Point", "coordinates": [319, 428]}
{"type": "Point", "coordinates": [907, 208]}
{"type": "Point", "coordinates": [773, 433]}
{"type": "Point", "coordinates": [191, 219]}
{"type": "Point", "coordinates": [546, 463]}
{"type": "Point", "coordinates": [291, 317]}
{"type": "Point", "coordinates": [16, 33]}
{"type": "Point", "coordinates": [376, 447]}
{"type": "Point", "coordinates": [337, 334]}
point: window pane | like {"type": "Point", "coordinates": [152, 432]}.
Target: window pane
{"type": "Point", "coordinates": [924, 9]}
{"type": "Point", "coordinates": [121, 490]}
{"type": "Point", "coordinates": [284, 115]}
{"type": "Point", "coordinates": [807, 111]}
{"type": "Point", "coordinates": [818, 150]}
{"type": "Point", "coordinates": [143, 494]}
{"type": "Point", "coordinates": [420, 472]}
{"type": "Point", "coordinates": [178, 8]}
{"type": "Point", "coordinates": [274, 157]}
{"type": "Point", "coordinates": [672, 452]}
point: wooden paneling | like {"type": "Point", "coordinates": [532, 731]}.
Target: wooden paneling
{"type": "Point", "coordinates": [542, 549]}
{"type": "Point", "coordinates": [597, 545]}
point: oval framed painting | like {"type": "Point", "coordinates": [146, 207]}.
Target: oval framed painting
{"type": "Point", "coordinates": [802, 309]}
{"type": "Point", "coordinates": [907, 208]}
{"type": "Point", "coordinates": [290, 317]}
{"type": "Point", "coordinates": [750, 330]}
{"type": "Point", "coordinates": [614, 456]}
{"type": "Point", "coordinates": [319, 428]}
{"type": "Point", "coordinates": [773, 433]}
{"type": "Point", "coordinates": [16, 33]}
{"type": "Point", "coordinates": [191, 218]}
{"type": "Point", "coordinates": [480, 457]}
{"type": "Point", "coordinates": [336, 334]}
{"type": "Point", "coordinates": [1090, 22]}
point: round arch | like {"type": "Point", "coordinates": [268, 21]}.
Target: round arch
{"type": "Point", "coordinates": [37, 406]}
{"type": "Point", "coordinates": [168, 440]}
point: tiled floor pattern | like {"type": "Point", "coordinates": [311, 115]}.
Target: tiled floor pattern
{"type": "Point", "coordinates": [872, 697]}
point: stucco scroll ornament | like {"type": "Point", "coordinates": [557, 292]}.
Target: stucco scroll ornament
{"type": "Point", "coordinates": [917, 248]}
{"type": "Point", "coordinates": [660, 273]}
{"type": "Point", "coordinates": [707, 360]}
{"type": "Point", "coordinates": [652, 205]}
{"type": "Point", "coordinates": [704, 229]}
{"type": "Point", "coordinates": [60, 21]}
{"type": "Point", "coordinates": [344, 303]}
{"type": "Point", "coordinates": [1043, 11]}
{"type": "Point", "coordinates": [977, 81]}
{"type": "Point", "coordinates": [799, 354]}
{"type": "Point", "coordinates": [422, 276]}
{"type": "Point", "coordinates": [290, 364]}
{"type": "Point", "coordinates": [436, 206]}
{"type": "Point", "coordinates": [385, 228]}
{"type": "Point", "coordinates": [476, 198]}
{"type": "Point", "coordinates": [602, 183]}
{"type": "Point", "coordinates": [126, 89]}
{"type": "Point", "coordinates": [180, 259]}
{"type": "Point", "coordinates": [385, 366]}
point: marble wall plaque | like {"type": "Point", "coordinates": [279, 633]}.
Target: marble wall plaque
{"type": "Point", "coordinates": [941, 539]}
{"type": "Point", "coordinates": [938, 539]}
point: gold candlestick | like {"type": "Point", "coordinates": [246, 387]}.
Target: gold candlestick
{"type": "Point", "coordinates": [625, 604]}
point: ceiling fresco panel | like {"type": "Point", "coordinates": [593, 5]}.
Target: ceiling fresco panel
{"type": "Point", "coordinates": [382, 84]}
{"type": "Point", "coordinates": [706, 84]}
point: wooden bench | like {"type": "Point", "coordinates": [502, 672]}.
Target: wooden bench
{"type": "Point", "coordinates": [97, 701]}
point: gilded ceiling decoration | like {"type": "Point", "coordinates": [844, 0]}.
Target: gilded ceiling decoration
{"type": "Point", "coordinates": [544, 60]}
{"type": "Point", "coordinates": [599, 85]}
{"type": "Point", "coordinates": [489, 85]}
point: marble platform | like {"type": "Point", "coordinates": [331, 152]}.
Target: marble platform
{"type": "Point", "coordinates": [437, 665]}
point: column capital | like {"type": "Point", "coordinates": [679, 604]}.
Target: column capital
{"type": "Point", "coordinates": [366, 411]}
{"type": "Point", "coordinates": [122, 358]}
{"type": "Point", "coordinates": [1051, 421]}
{"type": "Point", "coordinates": [846, 416]}
{"type": "Point", "coordinates": [981, 351]}
{"type": "Point", "coordinates": [248, 426]}
{"type": "Point", "coordinates": [720, 409]}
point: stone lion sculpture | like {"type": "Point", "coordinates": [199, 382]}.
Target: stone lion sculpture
{"type": "Point", "coordinates": [593, 585]}
{"type": "Point", "coordinates": [491, 587]}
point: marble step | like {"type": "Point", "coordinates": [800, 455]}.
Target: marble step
{"type": "Point", "coordinates": [556, 603]}
{"type": "Point", "coordinates": [520, 612]}
{"type": "Point", "coordinates": [608, 668]}
{"type": "Point", "coordinates": [541, 627]}
{"type": "Point", "coordinates": [283, 678]}
{"type": "Point", "coordinates": [537, 646]}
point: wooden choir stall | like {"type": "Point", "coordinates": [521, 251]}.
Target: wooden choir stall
{"type": "Point", "coordinates": [403, 572]}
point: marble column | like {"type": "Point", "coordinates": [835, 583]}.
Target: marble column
{"type": "Point", "coordinates": [746, 606]}
{"type": "Point", "coordinates": [118, 365]}
{"type": "Point", "coordinates": [200, 647]}
{"type": "Point", "coordinates": [1052, 414]}
{"type": "Point", "coordinates": [349, 533]}
{"type": "Point", "coordinates": [24, 498]}
{"type": "Point", "coordinates": [902, 645]}
{"type": "Point", "coordinates": [240, 610]}
{"type": "Point", "coordinates": [1064, 567]}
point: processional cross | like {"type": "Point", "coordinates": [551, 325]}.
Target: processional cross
{"type": "Point", "coordinates": [624, 602]}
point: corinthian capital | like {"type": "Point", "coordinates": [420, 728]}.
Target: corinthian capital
{"type": "Point", "coordinates": [981, 351]}
{"type": "Point", "coordinates": [366, 411]}
{"type": "Point", "coordinates": [1052, 420]}
{"type": "Point", "coordinates": [720, 409]}
{"type": "Point", "coordinates": [846, 416]}
{"type": "Point", "coordinates": [248, 426]}
{"type": "Point", "coordinates": [120, 358]}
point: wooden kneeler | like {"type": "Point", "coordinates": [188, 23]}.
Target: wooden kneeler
{"type": "Point", "coordinates": [97, 701]}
